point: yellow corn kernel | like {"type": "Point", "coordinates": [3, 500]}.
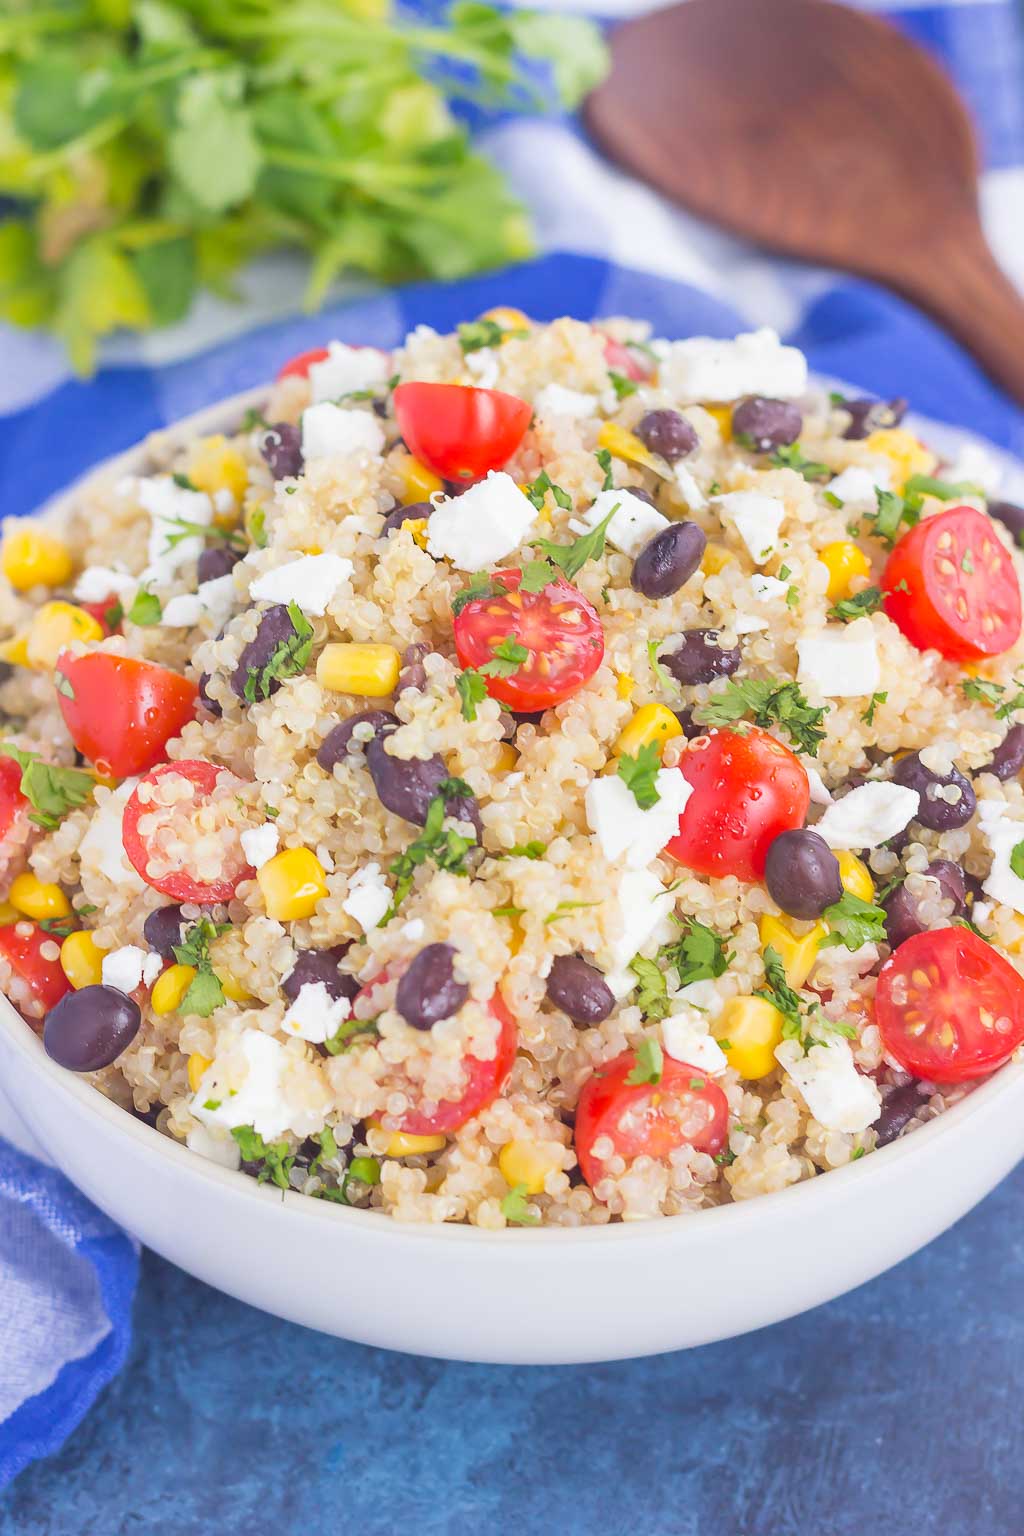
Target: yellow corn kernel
{"type": "Point", "coordinates": [625, 686]}
{"type": "Point", "coordinates": [751, 1028]}
{"type": "Point", "coordinates": [52, 630]}
{"type": "Point", "coordinates": [1016, 944]}
{"type": "Point", "coordinates": [723, 416]}
{"type": "Point", "coordinates": [651, 723]}
{"type": "Point", "coordinates": [843, 560]}
{"type": "Point", "coordinates": [507, 758]}
{"type": "Point", "coordinates": [369, 670]}
{"type": "Point", "coordinates": [8, 914]}
{"type": "Point", "coordinates": [15, 650]}
{"type": "Point", "coordinates": [517, 938]}
{"type": "Point", "coordinates": [417, 526]}
{"type": "Point", "coordinates": [716, 558]}
{"type": "Point", "coordinates": [626, 445]}
{"type": "Point", "coordinates": [418, 482]}
{"type": "Point", "coordinates": [81, 960]}
{"type": "Point", "coordinates": [906, 453]}
{"type": "Point", "coordinates": [402, 1144]}
{"type": "Point", "coordinates": [523, 1162]}
{"type": "Point", "coordinates": [509, 318]}
{"type": "Point", "coordinates": [198, 1065]}
{"type": "Point", "coordinates": [216, 465]}
{"type": "Point", "coordinates": [292, 883]}
{"type": "Point", "coordinates": [168, 992]}
{"type": "Point", "coordinates": [856, 876]}
{"type": "Point", "coordinates": [38, 899]}
{"type": "Point", "coordinates": [232, 988]}
{"type": "Point", "coordinates": [797, 951]}
{"type": "Point", "coordinates": [33, 557]}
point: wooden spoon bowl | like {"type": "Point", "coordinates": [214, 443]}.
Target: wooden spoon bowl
{"type": "Point", "coordinates": [821, 132]}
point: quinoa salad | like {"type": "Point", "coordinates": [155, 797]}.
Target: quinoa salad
{"type": "Point", "coordinates": [544, 775]}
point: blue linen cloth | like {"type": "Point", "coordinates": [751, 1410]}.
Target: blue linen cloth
{"type": "Point", "coordinates": [67, 1274]}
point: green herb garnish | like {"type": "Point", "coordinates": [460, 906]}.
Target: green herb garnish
{"type": "Point", "coordinates": [604, 459]}
{"type": "Point", "coordinates": [52, 791]}
{"type": "Point", "coordinates": [205, 992]}
{"type": "Point", "coordinates": [534, 849]}
{"type": "Point", "coordinates": [793, 457]}
{"type": "Point", "coordinates": [507, 657]}
{"type": "Point", "coordinates": [146, 610]}
{"type": "Point", "coordinates": [876, 698]}
{"type": "Point", "coordinates": [663, 678]}
{"type": "Point", "coordinates": [515, 1209]}
{"type": "Point", "coordinates": [985, 692]}
{"type": "Point", "coordinates": [639, 774]}
{"type": "Point", "coordinates": [345, 1035]}
{"type": "Point", "coordinates": [698, 954]}
{"type": "Point", "coordinates": [474, 335]}
{"type": "Point", "coordinates": [855, 607]}
{"type": "Point", "coordinates": [1017, 859]}
{"type": "Point", "coordinates": [539, 489]}
{"type": "Point", "coordinates": [623, 386]}
{"type": "Point", "coordinates": [436, 843]}
{"type": "Point", "coordinates": [853, 922]}
{"type": "Point", "coordinates": [652, 995]}
{"type": "Point", "coordinates": [288, 659]}
{"type": "Point", "coordinates": [472, 690]}
{"type": "Point", "coordinates": [769, 702]}
{"type": "Point", "coordinates": [650, 1063]}
{"type": "Point", "coordinates": [277, 1157]}
{"type": "Point", "coordinates": [571, 558]}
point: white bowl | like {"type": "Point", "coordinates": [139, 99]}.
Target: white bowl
{"type": "Point", "coordinates": [517, 1296]}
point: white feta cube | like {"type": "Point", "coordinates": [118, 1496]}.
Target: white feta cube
{"type": "Point", "coordinates": [1002, 833]}
{"type": "Point", "coordinates": [483, 525]}
{"type": "Point", "coordinates": [483, 366]}
{"type": "Point", "coordinates": [702, 995]}
{"type": "Point", "coordinates": [644, 906]}
{"type": "Point", "coordinates": [98, 582]}
{"type": "Point", "coordinates": [102, 847]}
{"type": "Point", "coordinates": [347, 369]}
{"type": "Point", "coordinates": [217, 598]}
{"type": "Point", "coordinates": [556, 400]}
{"type": "Point", "coordinates": [621, 827]}
{"type": "Point", "coordinates": [703, 368]}
{"type": "Point", "coordinates": [688, 488]}
{"type": "Point", "coordinates": [748, 624]}
{"type": "Point", "coordinates": [311, 582]}
{"type": "Point", "coordinates": [768, 589]}
{"type": "Point", "coordinates": [857, 487]}
{"type": "Point", "coordinates": [868, 816]}
{"type": "Point", "coordinates": [369, 897]}
{"type": "Point", "coordinates": [838, 1096]}
{"type": "Point", "coordinates": [685, 1036]}
{"type": "Point", "coordinates": [182, 612]}
{"type": "Point", "coordinates": [329, 429]}
{"type": "Point", "coordinates": [170, 506]}
{"type": "Point", "coordinates": [820, 792]}
{"type": "Point", "coordinates": [315, 1015]}
{"type": "Point", "coordinates": [222, 1150]}
{"type": "Point", "coordinates": [130, 967]}
{"type": "Point", "coordinates": [757, 519]}
{"type": "Point", "coordinates": [840, 661]}
{"type": "Point", "coordinates": [249, 1085]}
{"type": "Point", "coordinates": [634, 523]}
{"type": "Point", "coordinates": [259, 844]}
{"type": "Point", "coordinates": [414, 930]}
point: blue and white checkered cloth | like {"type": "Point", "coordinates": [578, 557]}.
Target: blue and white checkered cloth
{"type": "Point", "coordinates": [66, 1274]}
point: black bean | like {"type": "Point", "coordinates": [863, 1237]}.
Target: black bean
{"type": "Point", "coordinates": [668, 560]}
{"type": "Point", "coordinates": [275, 626]}
{"type": "Point", "coordinates": [763, 424]}
{"type": "Point", "coordinates": [953, 881]}
{"type": "Point", "coordinates": [1008, 758]}
{"type": "Point", "coordinates": [691, 728]}
{"type": "Point", "coordinates": [404, 786]}
{"type": "Point", "coordinates": [412, 513]}
{"type": "Point", "coordinates": [281, 447]}
{"type": "Point", "coordinates": [903, 910]}
{"type": "Point", "coordinates": [668, 434]}
{"type": "Point", "coordinates": [208, 703]}
{"type": "Point", "coordinates": [937, 814]}
{"type": "Point", "coordinates": [900, 1107]}
{"type": "Point", "coordinates": [320, 965]}
{"type": "Point", "coordinates": [335, 746]}
{"type": "Point", "coordinates": [89, 1029]}
{"type": "Point", "coordinates": [579, 990]}
{"type": "Point", "coordinates": [466, 808]}
{"type": "Point", "coordinates": [216, 561]}
{"type": "Point", "coordinates": [1011, 516]}
{"type": "Point", "coordinates": [867, 416]}
{"type": "Point", "coordinates": [162, 930]}
{"type": "Point", "coordinates": [700, 658]}
{"type": "Point", "coordinates": [413, 673]}
{"type": "Point", "coordinates": [428, 991]}
{"type": "Point", "coordinates": [802, 873]}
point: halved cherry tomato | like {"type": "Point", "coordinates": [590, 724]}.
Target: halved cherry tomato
{"type": "Point", "coordinates": [121, 712]}
{"type": "Point", "coordinates": [747, 788]}
{"type": "Point", "coordinates": [684, 1108]}
{"type": "Point", "coordinates": [948, 1007]}
{"type": "Point", "coordinates": [622, 359]}
{"type": "Point", "coordinates": [560, 630]}
{"type": "Point", "coordinates": [484, 1079]}
{"type": "Point", "coordinates": [12, 802]}
{"type": "Point", "coordinates": [950, 586]}
{"type": "Point", "coordinates": [298, 367]}
{"type": "Point", "coordinates": [458, 431]}
{"type": "Point", "coordinates": [38, 980]}
{"type": "Point", "coordinates": [153, 829]}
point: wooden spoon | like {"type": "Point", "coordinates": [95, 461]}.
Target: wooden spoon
{"type": "Point", "coordinates": [821, 132]}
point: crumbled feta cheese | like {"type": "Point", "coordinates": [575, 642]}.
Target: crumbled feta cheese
{"type": "Point", "coordinates": [556, 400]}
{"type": "Point", "coordinates": [169, 505]}
{"type": "Point", "coordinates": [981, 911]}
{"type": "Point", "coordinates": [328, 429]}
{"type": "Point", "coordinates": [369, 897]}
{"type": "Point", "coordinates": [857, 487]}
{"type": "Point", "coordinates": [315, 1015]}
{"type": "Point", "coordinates": [634, 522]}
{"type": "Point", "coordinates": [311, 582]}
{"type": "Point", "coordinates": [183, 611]}
{"type": "Point", "coordinates": [868, 816]}
{"type": "Point", "coordinates": [1002, 833]}
{"type": "Point", "coordinates": [414, 930]}
{"type": "Point", "coordinates": [481, 526]}
{"type": "Point", "coordinates": [838, 1096]}
{"type": "Point", "coordinates": [130, 966]}
{"type": "Point", "coordinates": [684, 1034]}
{"type": "Point", "coordinates": [260, 844]}
{"type": "Point", "coordinates": [102, 847]}
{"type": "Point", "coordinates": [757, 519]}
{"type": "Point", "coordinates": [976, 465]}
{"type": "Point", "coordinates": [257, 1081]}
{"type": "Point", "coordinates": [748, 624]}
{"type": "Point", "coordinates": [644, 906]}
{"type": "Point", "coordinates": [223, 1150]}
{"type": "Point", "coordinates": [483, 365]}
{"type": "Point", "coordinates": [347, 369]}
{"type": "Point", "coordinates": [689, 490]}
{"type": "Point", "coordinates": [841, 660]}
{"type": "Point", "coordinates": [703, 995]}
{"type": "Point", "coordinates": [703, 368]}
{"type": "Point", "coordinates": [767, 588]}
{"type": "Point", "coordinates": [98, 582]}
{"type": "Point", "coordinates": [215, 598]}
{"type": "Point", "coordinates": [820, 792]}
{"type": "Point", "coordinates": [621, 827]}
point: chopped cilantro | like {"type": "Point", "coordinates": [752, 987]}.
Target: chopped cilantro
{"type": "Point", "coordinates": [920, 486]}
{"type": "Point", "coordinates": [253, 419]}
{"type": "Point", "coordinates": [892, 512]}
{"type": "Point", "coordinates": [187, 530]}
{"type": "Point", "coordinates": [480, 585]}
{"type": "Point", "coordinates": [1017, 859]}
{"type": "Point", "coordinates": [61, 926]}
{"type": "Point", "coordinates": [723, 1159]}
{"type": "Point", "coordinates": [853, 922]}
{"type": "Point", "coordinates": [52, 791]}
{"type": "Point", "coordinates": [534, 849]}
{"type": "Point", "coordinates": [770, 702]}
{"type": "Point", "coordinates": [146, 610]}
{"type": "Point", "coordinates": [277, 1158]}
{"type": "Point", "coordinates": [288, 660]}
{"type": "Point", "coordinates": [438, 843]}
{"type": "Point", "coordinates": [868, 601]}
{"type": "Point", "coordinates": [344, 1036]}
{"type": "Point", "coordinates": [834, 500]}
{"type": "Point", "coordinates": [664, 679]}
{"type": "Point", "coordinates": [113, 615]}
{"type": "Point", "coordinates": [536, 575]}
{"type": "Point", "coordinates": [472, 691]}
{"type": "Point", "coordinates": [508, 657]}
{"type": "Point", "coordinates": [650, 1063]}
{"type": "Point", "coordinates": [781, 995]}
{"type": "Point", "coordinates": [509, 911]}
{"type": "Point", "coordinates": [623, 386]}
{"type": "Point", "coordinates": [184, 483]}
{"type": "Point", "coordinates": [792, 457]}
{"type": "Point", "coordinates": [205, 992]}
{"type": "Point", "coordinates": [792, 597]}
{"type": "Point", "coordinates": [697, 955]}
{"type": "Point", "coordinates": [474, 335]}
{"type": "Point", "coordinates": [571, 558]}
{"type": "Point", "coordinates": [638, 774]}
{"type": "Point", "coordinates": [983, 691]}
{"type": "Point", "coordinates": [876, 698]}
{"type": "Point", "coordinates": [784, 573]}
{"type": "Point", "coordinates": [652, 997]}
{"type": "Point", "coordinates": [604, 459]}
{"type": "Point", "coordinates": [257, 526]}
{"type": "Point", "coordinates": [515, 1209]}
{"type": "Point", "coordinates": [564, 908]}
{"type": "Point", "coordinates": [539, 488]}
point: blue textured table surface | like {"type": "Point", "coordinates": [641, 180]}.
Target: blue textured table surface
{"type": "Point", "coordinates": [897, 1407]}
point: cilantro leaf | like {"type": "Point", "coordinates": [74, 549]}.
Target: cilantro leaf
{"type": "Point", "coordinates": [652, 996]}
{"type": "Point", "coordinates": [853, 922]}
{"type": "Point", "coordinates": [289, 658]}
{"type": "Point", "coordinates": [1017, 859]}
{"type": "Point", "coordinates": [534, 849]}
{"type": "Point", "coordinates": [474, 335]}
{"type": "Point", "coordinates": [205, 992]}
{"type": "Point", "coordinates": [146, 609]}
{"type": "Point", "coordinates": [539, 488]}
{"type": "Point", "coordinates": [442, 845]}
{"type": "Point", "coordinates": [604, 459]}
{"type": "Point", "coordinates": [623, 386]}
{"type": "Point", "coordinates": [566, 908]}
{"type": "Point", "coordinates": [983, 691]}
{"type": "Point", "coordinates": [515, 1209]}
{"type": "Point", "coordinates": [480, 585]}
{"type": "Point", "coordinates": [659, 671]}
{"type": "Point", "coordinates": [277, 1158]}
{"type": "Point", "coordinates": [51, 790]}
{"type": "Point", "coordinates": [867, 601]}
{"type": "Point", "coordinates": [891, 514]}
{"type": "Point", "coordinates": [508, 656]}
{"type": "Point", "coordinates": [212, 149]}
{"type": "Point", "coordinates": [345, 1035]}
{"type": "Point", "coordinates": [920, 486]}
{"type": "Point", "coordinates": [536, 575]}
{"type": "Point", "coordinates": [472, 691]}
{"type": "Point", "coordinates": [571, 558]}
{"type": "Point", "coordinates": [876, 698]}
{"type": "Point", "coordinates": [189, 530]}
{"type": "Point", "coordinates": [769, 702]}
{"type": "Point", "coordinates": [697, 955]}
{"type": "Point", "coordinates": [650, 1063]}
{"type": "Point", "coordinates": [793, 457]}
{"type": "Point", "coordinates": [781, 995]}
{"type": "Point", "coordinates": [638, 774]}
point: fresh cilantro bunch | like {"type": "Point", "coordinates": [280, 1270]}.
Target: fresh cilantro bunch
{"type": "Point", "coordinates": [770, 702]}
{"type": "Point", "coordinates": [155, 146]}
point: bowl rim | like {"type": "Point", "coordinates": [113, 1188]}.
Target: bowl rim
{"type": "Point", "coordinates": [1003, 1084]}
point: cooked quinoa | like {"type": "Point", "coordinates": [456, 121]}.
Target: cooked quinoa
{"type": "Point", "coordinates": [398, 1006]}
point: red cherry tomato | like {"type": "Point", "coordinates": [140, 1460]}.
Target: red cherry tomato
{"type": "Point", "coordinates": [951, 586]}
{"type": "Point", "coordinates": [560, 630]}
{"type": "Point", "coordinates": [747, 788]}
{"type": "Point", "coordinates": [459, 432]}
{"type": "Point", "coordinates": [37, 980]}
{"type": "Point", "coordinates": [684, 1108]}
{"type": "Point", "coordinates": [12, 801]}
{"type": "Point", "coordinates": [104, 612]}
{"type": "Point", "coordinates": [622, 359]}
{"type": "Point", "coordinates": [121, 712]}
{"type": "Point", "coordinates": [153, 827]}
{"type": "Point", "coordinates": [948, 1007]}
{"type": "Point", "coordinates": [298, 367]}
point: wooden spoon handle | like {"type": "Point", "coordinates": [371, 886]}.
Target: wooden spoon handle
{"type": "Point", "coordinates": [961, 284]}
